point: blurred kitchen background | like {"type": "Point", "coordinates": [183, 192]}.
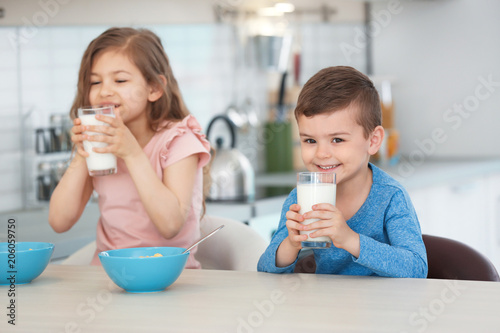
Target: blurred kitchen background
{"type": "Point", "coordinates": [218, 64]}
{"type": "Point", "coordinates": [435, 63]}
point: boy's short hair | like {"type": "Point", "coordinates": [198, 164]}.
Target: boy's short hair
{"type": "Point", "coordinates": [336, 88]}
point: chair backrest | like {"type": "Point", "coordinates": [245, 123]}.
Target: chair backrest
{"type": "Point", "coordinates": [234, 247]}
{"type": "Point", "coordinates": [450, 259]}
{"type": "Point", "coordinates": [306, 263]}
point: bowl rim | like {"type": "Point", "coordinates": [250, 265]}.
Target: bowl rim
{"type": "Point", "coordinates": [47, 246]}
{"type": "Point", "coordinates": [101, 254]}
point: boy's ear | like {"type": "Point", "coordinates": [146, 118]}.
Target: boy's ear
{"type": "Point", "coordinates": [376, 139]}
{"type": "Point", "coordinates": [156, 91]}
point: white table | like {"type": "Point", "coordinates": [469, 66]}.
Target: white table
{"type": "Point", "coordinates": [83, 299]}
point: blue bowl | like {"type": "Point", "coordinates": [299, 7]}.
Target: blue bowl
{"type": "Point", "coordinates": [137, 270]}
{"type": "Point", "coordinates": [25, 264]}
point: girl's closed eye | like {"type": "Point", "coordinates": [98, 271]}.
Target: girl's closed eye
{"type": "Point", "coordinates": [93, 83]}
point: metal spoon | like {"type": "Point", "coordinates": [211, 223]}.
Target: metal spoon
{"type": "Point", "coordinates": [202, 239]}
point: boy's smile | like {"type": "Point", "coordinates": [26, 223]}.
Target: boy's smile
{"type": "Point", "coordinates": [335, 142]}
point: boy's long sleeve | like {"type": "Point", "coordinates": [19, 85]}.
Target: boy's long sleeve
{"type": "Point", "coordinates": [267, 262]}
{"type": "Point", "coordinates": [405, 254]}
{"type": "Point", "coordinates": [390, 237]}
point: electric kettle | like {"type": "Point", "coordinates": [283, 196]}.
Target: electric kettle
{"type": "Point", "coordinates": [232, 175]}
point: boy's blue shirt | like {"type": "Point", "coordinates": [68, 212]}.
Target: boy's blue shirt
{"type": "Point", "coordinates": [389, 233]}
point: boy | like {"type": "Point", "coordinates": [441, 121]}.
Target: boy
{"type": "Point", "coordinates": [373, 226]}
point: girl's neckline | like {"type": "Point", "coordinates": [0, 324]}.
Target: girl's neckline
{"type": "Point", "coordinates": [149, 140]}
{"type": "Point", "coordinates": [167, 125]}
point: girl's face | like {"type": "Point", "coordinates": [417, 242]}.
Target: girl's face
{"type": "Point", "coordinates": [335, 142]}
{"type": "Point", "coordinates": [116, 80]}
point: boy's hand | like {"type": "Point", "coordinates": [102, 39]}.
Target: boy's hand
{"type": "Point", "coordinates": [332, 224]}
{"type": "Point", "coordinates": [289, 248]}
{"type": "Point", "coordinates": [294, 225]}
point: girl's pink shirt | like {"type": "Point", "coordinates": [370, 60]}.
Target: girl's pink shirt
{"type": "Point", "coordinates": [124, 222]}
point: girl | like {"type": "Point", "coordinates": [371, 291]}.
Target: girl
{"type": "Point", "coordinates": [156, 197]}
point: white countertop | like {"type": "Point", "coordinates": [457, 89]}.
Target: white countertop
{"type": "Point", "coordinates": [83, 299]}
{"type": "Point", "coordinates": [430, 172]}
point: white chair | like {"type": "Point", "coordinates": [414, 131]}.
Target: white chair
{"type": "Point", "coordinates": [83, 256]}
{"type": "Point", "coordinates": [234, 247]}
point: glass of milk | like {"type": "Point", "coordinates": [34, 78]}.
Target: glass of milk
{"type": "Point", "coordinates": [98, 164]}
{"type": "Point", "coordinates": [314, 188]}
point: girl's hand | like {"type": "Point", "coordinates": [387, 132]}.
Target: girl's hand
{"type": "Point", "coordinates": [78, 137]}
{"type": "Point", "coordinates": [332, 224]}
{"type": "Point", "coordinates": [294, 225]}
{"type": "Point", "coordinates": [121, 142]}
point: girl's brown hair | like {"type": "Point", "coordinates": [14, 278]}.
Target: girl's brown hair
{"type": "Point", "coordinates": [145, 50]}
{"type": "Point", "coordinates": [336, 88]}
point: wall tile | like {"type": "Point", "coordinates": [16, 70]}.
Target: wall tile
{"type": "Point", "coordinates": [65, 57]}
{"type": "Point", "coordinates": [8, 39]}
{"type": "Point", "coordinates": [33, 38]}
{"type": "Point", "coordinates": [8, 59]}
{"type": "Point", "coordinates": [65, 37]}
{"type": "Point", "coordinates": [11, 180]}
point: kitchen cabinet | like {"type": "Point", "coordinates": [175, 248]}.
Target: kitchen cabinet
{"type": "Point", "coordinates": [231, 210]}
{"type": "Point", "coordinates": [465, 209]}
{"type": "Point", "coordinates": [266, 225]}
{"type": "Point", "coordinates": [419, 198]}
{"type": "Point", "coordinates": [459, 211]}
{"type": "Point", "coordinates": [267, 216]}
{"type": "Point", "coordinates": [261, 215]}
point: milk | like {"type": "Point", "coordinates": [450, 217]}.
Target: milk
{"type": "Point", "coordinates": [98, 164]}
{"type": "Point", "coordinates": [311, 194]}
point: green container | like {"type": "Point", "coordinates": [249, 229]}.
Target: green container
{"type": "Point", "coordinates": [279, 146]}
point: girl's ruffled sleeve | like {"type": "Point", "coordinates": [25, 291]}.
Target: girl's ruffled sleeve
{"type": "Point", "coordinates": [186, 138]}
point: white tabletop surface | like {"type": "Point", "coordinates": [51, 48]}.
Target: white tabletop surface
{"type": "Point", "coordinates": [83, 299]}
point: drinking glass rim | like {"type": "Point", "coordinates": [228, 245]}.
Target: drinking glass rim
{"type": "Point", "coordinates": [96, 109]}
{"type": "Point", "coordinates": [316, 172]}
{"type": "Point", "coordinates": [313, 175]}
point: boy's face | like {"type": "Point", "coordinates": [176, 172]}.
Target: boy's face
{"type": "Point", "coordinates": [335, 142]}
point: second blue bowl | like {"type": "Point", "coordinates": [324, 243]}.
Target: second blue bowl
{"type": "Point", "coordinates": [137, 269]}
